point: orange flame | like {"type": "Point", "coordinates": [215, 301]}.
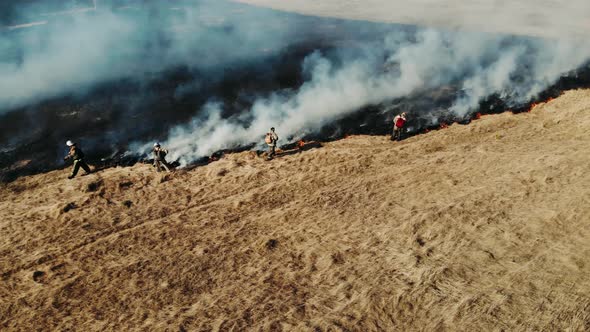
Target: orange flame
{"type": "Point", "coordinates": [478, 115]}
{"type": "Point", "coordinates": [300, 144]}
{"type": "Point", "coordinates": [533, 105]}
{"type": "Point", "coordinates": [443, 126]}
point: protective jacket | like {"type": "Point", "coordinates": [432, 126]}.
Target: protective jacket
{"type": "Point", "coordinates": [273, 139]}
{"type": "Point", "coordinates": [75, 153]}
{"type": "Point", "coordinates": [160, 154]}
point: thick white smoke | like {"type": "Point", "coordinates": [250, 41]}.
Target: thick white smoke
{"type": "Point", "coordinates": [68, 51]}
{"type": "Point", "coordinates": [481, 64]}
{"type": "Point", "coordinates": [75, 50]}
{"type": "Point", "coordinates": [56, 64]}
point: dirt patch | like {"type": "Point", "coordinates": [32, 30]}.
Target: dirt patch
{"type": "Point", "coordinates": [39, 276]}
{"type": "Point", "coordinates": [271, 244]}
{"type": "Point", "coordinates": [69, 207]}
{"type": "Point", "coordinates": [94, 186]}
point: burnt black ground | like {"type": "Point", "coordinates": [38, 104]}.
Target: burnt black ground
{"type": "Point", "coordinates": [106, 118]}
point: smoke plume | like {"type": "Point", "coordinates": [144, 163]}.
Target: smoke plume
{"type": "Point", "coordinates": [401, 64]}
{"type": "Point", "coordinates": [208, 75]}
{"type": "Point", "coordinates": [74, 48]}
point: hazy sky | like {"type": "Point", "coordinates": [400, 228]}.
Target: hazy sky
{"type": "Point", "coordinates": [548, 18]}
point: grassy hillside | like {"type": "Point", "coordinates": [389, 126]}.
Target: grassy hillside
{"type": "Point", "coordinates": [478, 228]}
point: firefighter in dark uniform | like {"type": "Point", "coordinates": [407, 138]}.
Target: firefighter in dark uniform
{"type": "Point", "coordinates": [77, 156]}
{"type": "Point", "coordinates": [160, 158]}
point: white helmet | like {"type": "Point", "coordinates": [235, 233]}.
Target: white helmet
{"type": "Point", "coordinates": [69, 143]}
{"type": "Point", "coordinates": [156, 144]}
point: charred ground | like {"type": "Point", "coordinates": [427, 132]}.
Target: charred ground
{"type": "Point", "coordinates": [107, 117]}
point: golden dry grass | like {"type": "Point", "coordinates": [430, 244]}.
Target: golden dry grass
{"type": "Point", "coordinates": [483, 227]}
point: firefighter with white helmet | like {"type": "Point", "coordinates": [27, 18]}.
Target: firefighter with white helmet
{"type": "Point", "coordinates": [159, 154]}
{"type": "Point", "coordinates": [76, 154]}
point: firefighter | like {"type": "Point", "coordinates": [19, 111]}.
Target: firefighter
{"type": "Point", "coordinates": [160, 158]}
{"type": "Point", "coordinates": [271, 139]}
{"type": "Point", "coordinates": [398, 126]}
{"type": "Point", "coordinates": [77, 156]}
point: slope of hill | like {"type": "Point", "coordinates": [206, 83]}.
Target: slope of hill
{"type": "Point", "coordinates": [477, 228]}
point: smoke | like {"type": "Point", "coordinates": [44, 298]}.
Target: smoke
{"type": "Point", "coordinates": [401, 64]}
{"type": "Point", "coordinates": [74, 48]}
{"type": "Point", "coordinates": [49, 50]}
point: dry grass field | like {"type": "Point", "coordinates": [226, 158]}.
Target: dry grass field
{"type": "Point", "coordinates": [480, 227]}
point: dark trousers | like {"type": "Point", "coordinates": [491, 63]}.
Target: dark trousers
{"type": "Point", "coordinates": [397, 134]}
{"type": "Point", "coordinates": [80, 163]}
{"type": "Point", "coordinates": [272, 151]}
{"type": "Point", "coordinates": [161, 165]}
